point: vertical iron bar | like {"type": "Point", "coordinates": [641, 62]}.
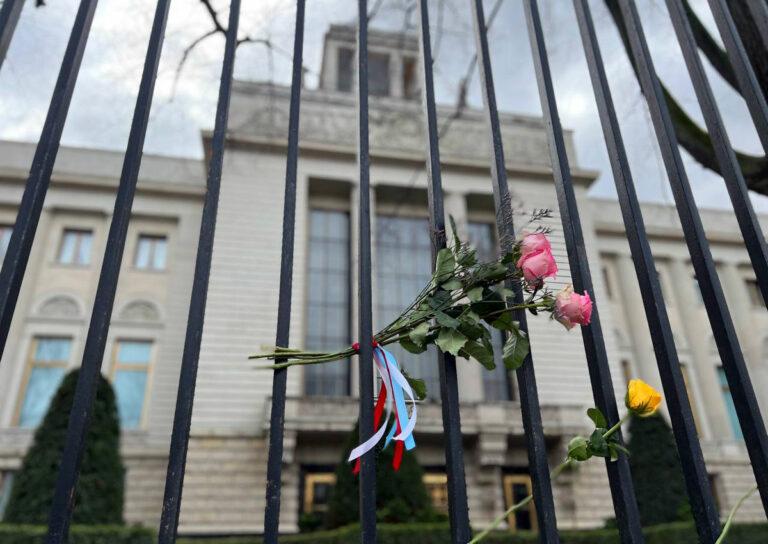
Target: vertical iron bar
{"type": "Point", "coordinates": [28, 216]}
{"type": "Point", "coordinates": [174, 480]}
{"type": "Point", "coordinates": [619, 476]}
{"type": "Point", "coordinates": [745, 75]}
{"type": "Point", "coordinates": [688, 447]}
{"type": "Point", "coordinates": [368, 461]}
{"type": "Point", "coordinates": [277, 416]}
{"type": "Point", "coordinates": [759, 11]}
{"type": "Point", "coordinates": [729, 166]}
{"type": "Point", "coordinates": [10, 12]}
{"type": "Point", "coordinates": [458, 511]}
{"type": "Point", "coordinates": [93, 353]}
{"type": "Point", "coordinates": [526, 378]}
{"type": "Point", "coordinates": [720, 320]}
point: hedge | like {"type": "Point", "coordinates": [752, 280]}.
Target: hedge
{"type": "Point", "coordinates": [78, 534]}
{"type": "Point", "coordinates": [439, 533]}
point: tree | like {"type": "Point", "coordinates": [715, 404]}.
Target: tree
{"type": "Point", "coordinates": [99, 497]}
{"type": "Point", "coordinates": [693, 138]}
{"type": "Point", "coordinates": [401, 496]}
{"type": "Point", "coordinates": [656, 472]}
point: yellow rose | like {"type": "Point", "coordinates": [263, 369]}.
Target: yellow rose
{"type": "Point", "coordinates": [642, 399]}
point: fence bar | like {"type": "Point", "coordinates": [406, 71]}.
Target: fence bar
{"type": "Point", "coordinates": [10, 12]}
{"type": "Point", "coordinates": [28, 216]}
{"type": "Point", "coordinates": [729, 165]}
{"type": "Point", "coordinates": [93, 353]}
{"type": "Point", "coordinates": [745, 75]}
{"type": "Point", "coordinates": [619, 476]}
{"type": "Point", "coordinates": [174, 480]}
{"type": "Point", "coordinates": [277, 416]}
{"type": "Point", "coordinates": [526, 378]}
{"type": "Point", "coordinates": [688, 447]}
{"type": "Point", "coordinates": [458, 510]}
{"type": "Point", "coordinates": [759, 11]}
{"type": "Point", "coordinates": [365, 306]}
{"type": "Point", "coordinates": [727, 342]}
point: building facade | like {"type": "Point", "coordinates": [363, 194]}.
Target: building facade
{"type": "Point", "coordinates": [226, 469]}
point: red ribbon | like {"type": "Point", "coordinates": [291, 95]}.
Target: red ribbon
{"type": "Point", "coordinates": [378, 411]}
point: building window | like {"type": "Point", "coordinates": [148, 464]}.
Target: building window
{"type": "Point", "coordinates": [317, 491]}
{"type": "Point", "coordinates": [607, 282]}
{"type": "Point", "coordinates": [49, 358]}
{"type": "Point", "coordinates": [5, 239]}
{"type": "Point", "coordinates": [626, 370]}
{"type": "Point", "coordinates": [328, 298]}
{"type": "Point", "coordinates": [730, 407]}
{"type": "Point", "coordinates": [6, 484]}
{"type": "Point", "coordinates": [378, 74]}
{"type": "Point", "coordinates": [75, 247]}
{"type": "Point", "coordinates": [691, 396]}
{"type": "Point", "coordinates": [129, 378]}
{"type": "Point", "coordinates": [516, 488]}
{"type": "Point", "coordinates": [437, 489]}
{"type": "Point", "coordinates": [404, 266]}
{"type": "Point", "coordinates": [497, 383]}
{"type": "Point", "coordinates": [410, 78]}
{"type": "Point", "coordinates": [151, 252]}
{"type": "Point", "coordinates": [699, 298]}
{"type": "Point", "coordinates": [344, 69]}
{"type": "Point", "coordinates": [714, 485]}
{"type": "Point", "coordinates": [755, 296]}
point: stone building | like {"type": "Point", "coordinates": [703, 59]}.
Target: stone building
{"type": "Point", "coordinates": [226, 471]}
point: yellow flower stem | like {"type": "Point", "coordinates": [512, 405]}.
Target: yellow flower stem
{"type": "Point", "coordinates": [732, 515]}
{"type": "Point", "coordinates": [554, 474]}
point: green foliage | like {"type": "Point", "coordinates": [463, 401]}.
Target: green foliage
{"type": "Point", "coordinates": [439, 533]}
{"type": "Point", "coordinates": [400, 496]}
{"type": "Point", "coordinates": [601, 443]}
{"type": "Point", "coordinates": [78, 534]}
{"type": "Point", "coordinates": [656, 472]}
{"type": "Point", "coordinates": [99, 498]}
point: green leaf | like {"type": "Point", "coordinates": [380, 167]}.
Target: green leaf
{"type": "Point", "coordinates": [489, 305]}
{"type": "Point", "coordinates": [509, 258]}
{"type": "Point", "coordinates": [451, 285]}
{"type": "Point", "coordinates": [467, 256]}
{"type": "Point", "coordinates": [419, 386]}
{"type": "Point", "coordinates": [480, 353]}
{"type": "Point", "coordinates": [505, 292]}
{"type": "Point", "coordinates": [444, 265]}
{"type": "Point", "coordinates": [439, 299]}
{"type": "Point", "coordinates": [597, 416]}
{"type": "Point", "coordinates": [471, 330]}
{"type": "Point", "coordinates": [450, 341]}
{"type": "Point", "coordinates": [504, 322]}
{"type": "Point", "coordinates": [475, 294]}
{"type": "Point", "coordinates": [597, 444]}
{"type": "Point", "coordinates": [578, 449]}
{"type": "Point", "coordinates": [471, 317]}
{"type": "Point", "coordinates": [445, 320]}
{"type": "Point", "coordinates": [419, 333]}
{"type": "Point", "coordinates": [455, 232]}
{"type": "Point", "coordinates": [492, 272]}
{"type": "Point", "coordinates": [515, 349]}
{"type": "Point", "coordinates": [410, 346]}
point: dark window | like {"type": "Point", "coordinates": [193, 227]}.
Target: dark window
{"type": "Point", "coordinates": [344, 70]}
{"type": "Point", "coordinates": [378, 74]}
{"type": "Point", "coordinates": [317, 491]}
{"type": "Point", "coordinates": [730, 407]}
{"type": "Point", "coordinates": [497, 384]}
{"type": "Point", "coordinates": [403, 267]}
{"type": "Point", "coordinates": [755, 296]}
{"type": "Point", "coordinates": [48, 361]}
{"type": "Point", "coordinates": [75, 247]}
{"type": "Point", "coordinates": [437, 489]}
{"type": "Point", "coordinates": [6, 483]}
{"type": "Point", "coordinates": [699, 298]}
{"type": "Point", "coordinates": [410, 78]}
{"type": "Point", "coordinates": [328, 301]}
{"type": "Point", "coordinates": [607, 282]}
{"type": "Point", "coordinates": [516, 488]}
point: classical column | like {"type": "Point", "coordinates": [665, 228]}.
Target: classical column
{"type": "Point", "coordinates": [634, 313]}
{"type": "Point", "coordinates": [703, 361]}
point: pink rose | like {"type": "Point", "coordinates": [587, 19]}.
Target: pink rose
{"type": "Point", "coordinates": [538, 265]}
{"type": "Point", "coordinates": [572, 309]}
{"type": "Point", "coordinates": [534, 242]}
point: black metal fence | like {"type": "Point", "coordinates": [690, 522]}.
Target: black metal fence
{"type": "Point", "coordinates": [698, 486]}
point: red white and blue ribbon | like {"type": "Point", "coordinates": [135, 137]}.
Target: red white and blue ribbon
{"type": "Point", "coordinates": [392, 396]}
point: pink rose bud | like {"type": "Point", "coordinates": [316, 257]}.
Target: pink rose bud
{"type": "Point", "coordinates": [572, 309]}
{"type": "Point", "coordinates": [534, 242]}
{"type": "Point", "coordinates": [538, 265]}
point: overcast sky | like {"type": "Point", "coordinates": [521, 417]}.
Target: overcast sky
{"type": "Point", "coordinates": [103, 102]}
